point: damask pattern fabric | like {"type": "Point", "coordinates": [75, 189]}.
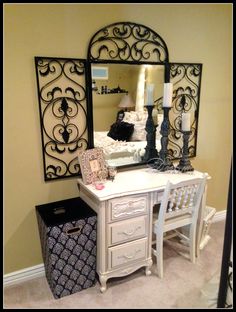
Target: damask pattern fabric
{"type": "Point", "coordinates": [69, 259]}
{"type": "Point", "coordinates": [139, 119]}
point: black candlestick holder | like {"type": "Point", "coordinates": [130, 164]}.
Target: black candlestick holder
{"type": "Point", "coordinates": [184, 163]}
{"type": "Point", "coordinates": [164, 163]}
{"type": "Point", "coordinates": [150, 149]}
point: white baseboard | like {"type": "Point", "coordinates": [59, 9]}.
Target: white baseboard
{"type": "Point", "coordinates": [23, 275]}
{"type": "Point", "coordinates": [219, 216]}
{"type": "Point", "coordinates": [38, 270]}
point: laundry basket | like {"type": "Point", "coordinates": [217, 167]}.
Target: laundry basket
{"type": "Point", "coordinates": [68, 231]}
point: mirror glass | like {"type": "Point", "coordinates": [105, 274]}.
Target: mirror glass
{"type": "Point", "coordinates": [119, 113]}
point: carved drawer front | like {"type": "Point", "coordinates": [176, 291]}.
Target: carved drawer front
{"type": "Point", "coordinates": [122, 231]}
{"type": "Point", "coordinates": [127, 253]}
{"type": "Point", "coordinates": [128, 206]}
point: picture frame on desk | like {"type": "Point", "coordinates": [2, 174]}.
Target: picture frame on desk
{"type": "Point", "coordinates": [93, 165]}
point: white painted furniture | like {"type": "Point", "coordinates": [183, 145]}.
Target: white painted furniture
{"type": "Point", "coordinates": [124, 219]}
{"type": "Point", "coordinates": [179, 208]}
{"type": "Point", "coordinates": [209, 213]}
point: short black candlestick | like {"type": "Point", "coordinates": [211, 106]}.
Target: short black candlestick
{"type": "Point", "coordinates": [184, 163]}
{"type": "Point", "coordinates": [150, 149]}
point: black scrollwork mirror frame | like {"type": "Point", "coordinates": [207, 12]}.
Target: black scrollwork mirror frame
{"type": "Point", "coordinates": [132, 43]}
{"type": "Point", "coordinates": [65, 100]}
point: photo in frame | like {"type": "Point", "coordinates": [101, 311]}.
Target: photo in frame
{"type": "Point", "coordinates": [99, 72]}
{"type": "Point", "coordinates": [92, 165]}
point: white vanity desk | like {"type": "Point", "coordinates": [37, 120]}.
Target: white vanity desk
{"type": "Point", "coordinates": [124, 214]}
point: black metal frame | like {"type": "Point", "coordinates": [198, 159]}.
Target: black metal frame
{"type": "Point", "coordinates": [225, 274]}
{"type": "Point", "coordinates": [186, 79]}
{"type": "Point", "coordinates": [63, 109]}
{"type": "Point", "coordinates": [121, 43]}
{"type": "Point", "coordinates": [127, 42]}
{"type": "Point", "coordinates": [132, 43]}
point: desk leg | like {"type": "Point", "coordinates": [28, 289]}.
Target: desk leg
{"type": "Point", "coordinates": [148, 268]}
{"type": "Point", "coordinates": [103, 282]}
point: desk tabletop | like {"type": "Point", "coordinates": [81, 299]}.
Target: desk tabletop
{"type": "Point", "coordinates": [137, 181]}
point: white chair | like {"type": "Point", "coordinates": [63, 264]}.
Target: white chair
{"type": "Point", "coordinates": [179, 208]}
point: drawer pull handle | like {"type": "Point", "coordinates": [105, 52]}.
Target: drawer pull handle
{"type": "Point", "coordinates": [59, 210]}
{"type": "Point", "coordinates": [130, 233]}
{"type": "Point", "coordinates": [132, 212]}
{"type": "Point", "coordinates": [129, 256]}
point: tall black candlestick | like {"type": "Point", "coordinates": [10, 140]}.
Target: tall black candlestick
{"type": "Point", "coordinates": [184, 163]}
{"type": "Point", "coordinates": [150, 149]}
{"type": "Point", "coordinates": [164, 163]}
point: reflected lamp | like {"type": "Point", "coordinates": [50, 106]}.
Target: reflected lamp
{"type": "Point", "coordinates": [126, 102]}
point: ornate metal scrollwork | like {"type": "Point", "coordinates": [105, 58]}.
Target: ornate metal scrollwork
{"type": "Point", "coordinates": [127, 41]}
{"type": "Point", "coordinates": [186, 79]}
{"type": "Point", "coordinates": [63, 114]}
{"type": "Point", "coordinates": [65, 103]}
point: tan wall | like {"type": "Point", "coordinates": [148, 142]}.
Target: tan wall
{"type": "Point", "coordinates": [105, 106]}
{"type": "Point", "coordinates": [193, 33]}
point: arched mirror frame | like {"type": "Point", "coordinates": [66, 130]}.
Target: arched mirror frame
{"type": "Point", "coordinates": [132, 43]}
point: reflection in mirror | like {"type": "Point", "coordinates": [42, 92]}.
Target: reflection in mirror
{"type": "Point", "coordinates": [119, 112]}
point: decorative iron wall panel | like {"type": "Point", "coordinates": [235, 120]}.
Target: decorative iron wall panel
{"type": "Point", "coordinates": [186, 79]}
{"type": "Point", "coordinates": [64, 113]}
{"type": "Point", "coordinates": [127, 42]}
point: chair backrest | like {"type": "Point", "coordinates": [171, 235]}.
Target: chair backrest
{"type": "Point", "coordinates": [182, 198]}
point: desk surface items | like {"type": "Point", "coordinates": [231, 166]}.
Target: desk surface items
{"type": "Point", "coordinates": [124, 212]}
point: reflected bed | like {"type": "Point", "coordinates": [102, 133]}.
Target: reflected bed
{"type": "Point", "coordinates": [123, 152]}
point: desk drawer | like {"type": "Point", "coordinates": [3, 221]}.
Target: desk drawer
{"type": "Point", "coordinates": [127, 206]}
{"type": "Point", "coordinates": [127, 230]}
{"type": "Point", "coordinates": [127, 253]}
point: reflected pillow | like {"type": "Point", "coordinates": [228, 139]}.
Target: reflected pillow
{"type": "Point", "coordinates": [130, 117]}
{"type": "Point", "coordinates": [138, 118]}
{"type": "Point", "coordinates": [121, 131]}
{"type": "Point", "coordinates": [134, 116]}
{"type": "Point", "coordinates": [139, 133]}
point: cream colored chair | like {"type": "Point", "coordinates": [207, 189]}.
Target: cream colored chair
{"type": "Point", "coordinates": [179, 208]}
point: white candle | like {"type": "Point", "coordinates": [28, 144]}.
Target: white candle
{"type": "Point", "coordinates": [167, 97]}
{"type": "Point", "coordinates": [185, 122]}
{"type": "Point", "coordinates": [149, 95]}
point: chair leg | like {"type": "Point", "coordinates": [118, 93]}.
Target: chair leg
{"type": "Point", "coordinates": [159, 256]}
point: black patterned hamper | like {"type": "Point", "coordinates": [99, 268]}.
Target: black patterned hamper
{"type": "Point", "coordinates": [68, 233]}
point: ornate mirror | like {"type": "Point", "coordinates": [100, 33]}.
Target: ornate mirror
{"type": "Point", "coordinates": [123, 59]}
{"type": "Point", "coordinates": [132, 56]}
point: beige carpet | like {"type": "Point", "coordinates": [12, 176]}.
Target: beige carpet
{"type": "Point", "coordinates": [184, 285]}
